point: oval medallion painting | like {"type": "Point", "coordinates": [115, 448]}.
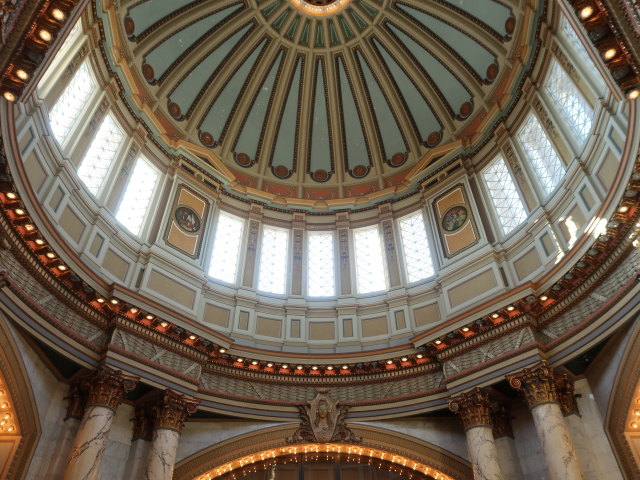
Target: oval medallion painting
{"type": "Point", "coordinates": [187, 219]}
{"type": "Point", "coordinates": [454, 218]}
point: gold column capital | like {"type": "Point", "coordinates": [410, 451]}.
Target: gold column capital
{"type": "Point", "coordinates": [501, 419]}
{"type": "Point", "coordinates": [107, 387]}
{"type": "Point", "coordinates": [473, 408]}
{"type": "Point", "coordinates": [172, 410]}
{"type": "Point", "coordinates": [540, 384]}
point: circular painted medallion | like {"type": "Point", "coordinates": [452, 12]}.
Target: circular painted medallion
{"type": "Point", "coordinates": [187, 219]}
{"type": "Point", "coordinates": [454, 218]}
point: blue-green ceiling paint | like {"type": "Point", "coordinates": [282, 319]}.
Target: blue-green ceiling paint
{"type": "Point", "coordinates": [249, 138]}
{"type": "Point", "coordinates": [356, 145]}
{"type": "Point", "coordinates": [475, 54]}
{"type": "Point", "coordinates": [161, 56]}
{"type": "Point", "coordinates": [286, 136]}
{"type": "Point", "coordinates": [146, 14]}
{"type": "Point", "coordinates": [320, 152]}
{"type": "Point", "coordinates": [218, 114]}
{"type": "Point", "coordinates": [452, 89]}
{"type": "Point", "coordinates": [493, 13]}
{"type": "Point", "coordinates": [187, 90]}
{"type": "Point", "coordinates": [417, 106]}
{"type": "Point", "coordinates": [388, 128]}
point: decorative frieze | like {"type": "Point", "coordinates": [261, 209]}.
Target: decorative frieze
{"type": "Point", "coordinates": [473, 408]}
{"type": "Point", "coordinates": [539, 384]}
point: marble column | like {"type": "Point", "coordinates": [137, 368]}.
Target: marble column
{"type": "Point", "coordinates": [505, 445]}
{"type": "Point", "coordinates": [475, 411]}
{"type": "Point", "coordinates": [105, 391]}
{"type": "Point", "coordinates": [140, 442]}
{"type": "Point", "coordinates": [169, 414]}
{"type": "Point", "coordinates": [545, 391]}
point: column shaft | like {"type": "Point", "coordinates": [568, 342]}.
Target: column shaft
{"type": "Point", "coordinates": [555, 439]}
{"type": "Point", "coordinates": [483, 453]}
{"type": "Point", "coordinates": [137, 461]}
{"type": "Point", "coordinates": [89, 444]}
{"type": "Point", "coordinates": [162, 455]}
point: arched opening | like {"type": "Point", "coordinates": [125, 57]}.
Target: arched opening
{"type": "Point", "coordinates": [382, 455]}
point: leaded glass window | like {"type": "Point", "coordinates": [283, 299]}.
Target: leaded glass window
{"type": "Point", "coordinates": [137, 196]}
{"type": "Point", "coordinates": [226, 248]}
{"type": "Point", "coordinates": [101, 154]}
{"type": "Point", "coordinates": [574, 107]}
{"type": "Point", "coordinates": [540, 152]}
{"type": "Point", "coordinates": [74, 97]}
{"type": "Point", "coordinates": [321, 280]}
{"type": "Point", "coordinates": [415, 246]}
{"type": "Point", "coordinates": [370, 273]}
{"type": "Point", "coordinates": [273, 260]}
{"type": "Point", "coordinates": [576, 45]}
{"type": "Point", "coordinates": [504, 195]}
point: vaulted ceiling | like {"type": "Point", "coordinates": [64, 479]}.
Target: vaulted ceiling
{"type": "Point", "coordinates": [323, 99]}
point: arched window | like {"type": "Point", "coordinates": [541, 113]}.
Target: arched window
{"type": "Point", "coordinates": [575, 109]}
{"type": "Point", "coordinates": [415, 246]}
{"type": "Point", "coordinates": [98, 160]}
{"type": "Point", "coordinates": [321, 280]}
{"type": "Point", "coordinates": [226, 248]}
{"type": "Point", "coordinates": [370, 266]}
{"type": "Point", "coordinates": [137, 196]}
{"type": "Point", "coordinates": [504, 195]}
{"type": "Point", "coordinates": [542, 155]}
{"type": "Point", "coordinates": [272, 277]}
{"type": "Point", "coordinates": [69, 106]}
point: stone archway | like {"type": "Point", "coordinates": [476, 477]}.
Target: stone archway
{"type": "Point", "coordinates": [375, 440]}
{"type": "Point", "coordinates": [20, 434]}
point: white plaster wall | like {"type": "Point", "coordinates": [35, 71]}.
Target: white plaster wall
{"type": "Point", "coordinates": [591, 443]}
{"type": "Point", "coordinates": [49, 396]}
{"type": "Point", "coordinates": [446, 433]}
{"type": "Point", "coordinates": [200, 435]}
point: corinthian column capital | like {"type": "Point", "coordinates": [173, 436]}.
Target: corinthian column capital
{"type": "Point", "coordinates": [173, 409]}
{"type": "Point", "coordinates": [473, 408]}
{"type": "Point", "coordinates": [539, 384]}
{"type": "Point", "coordinates": [107, 387]}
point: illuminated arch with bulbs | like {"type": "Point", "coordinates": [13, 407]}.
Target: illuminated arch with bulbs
{"type": "Point", "coordinates": [270, 443]}
{"type": "Point", "coordinates": [622, 422]}
{"type": "Point", "coordinates": [21, 428]}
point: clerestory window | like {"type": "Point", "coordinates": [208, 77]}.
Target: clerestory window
{"type": "Point", "coordinates": [226, 248]}
{"type": "Point", "coordinates": [542, 156]}
{"type": "Point", "coordinates": [102, 152]}
{"type": "Point", "coordinates": [136, 200]}
{"type": "Point", "coordinates": [504, 195]}
{"type": "Point", "coordinates": [370, 266]}
{"type": "Point", "coordinates": [272, 277]}
{"type": "Point", "coordinates": [415, 247]}
{"type": "Point", "coordinates": [321, 281]}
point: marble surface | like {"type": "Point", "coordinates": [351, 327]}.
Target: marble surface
{"type": "Point", "coordinates": [557, 444]}
{"type": "Point", "coordinates": [483, 453]}
{"type": "Point", "coordinates": [508, 458]}
{"type": "Point", "coordinates": [162, 454]}
{"type": "Point", "coordinates": [89, 444]}
{"type": "Point", "coordinates": [137, 460]}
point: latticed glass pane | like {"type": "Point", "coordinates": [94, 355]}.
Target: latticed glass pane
{"type": "Point", "coordinates": [543, 157]}
{"type": "Point", "coordinates": [137, 196]}
{"type": "Point", "coordinates": [576, 45]}
{"type": "Point", "coordinates": [574, 107]}
{"type": "Point", "coordinates": [70, 104]}
{"type": "Point", "coordinates": [417, 256]}
{"type": "Point", "coordinates": [226, 248]}
{"type": "Point", "coordinates": [273, 260]}
{"type": "Point", "coordinates": [369, 262]}
{"type": "Point", "coordinates": [320, 269]}
{"type": "Point", "coordinates": [97, 162]}
{"type": "Point", "coordinates": [504, 195]}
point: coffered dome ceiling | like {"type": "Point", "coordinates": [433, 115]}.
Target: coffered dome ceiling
{"type": "Point", "coordinates": [318, 100]}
